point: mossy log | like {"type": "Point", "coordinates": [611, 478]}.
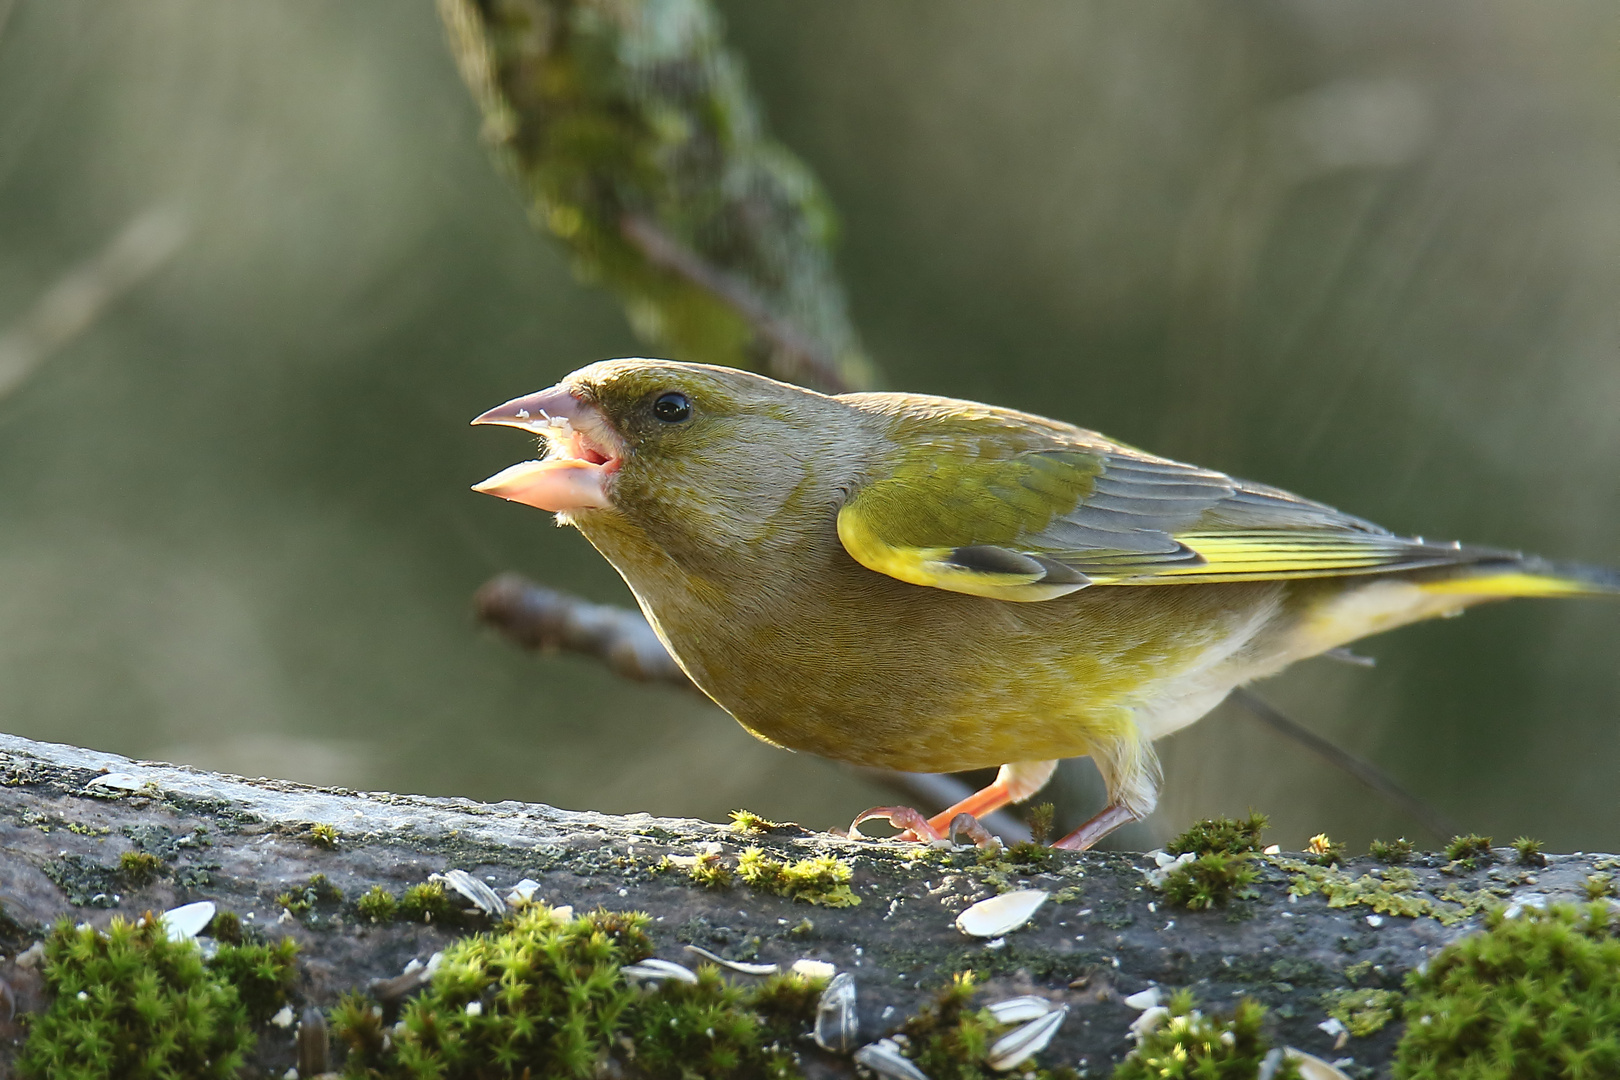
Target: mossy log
{"type": "Point", "coordinates": [68, 816]}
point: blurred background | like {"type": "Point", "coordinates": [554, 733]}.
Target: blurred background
{"type": "Point", "coordinates": [1366, 251]}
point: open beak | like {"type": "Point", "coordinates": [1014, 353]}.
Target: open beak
{"type": "Point", "coordinates": [583, 453]}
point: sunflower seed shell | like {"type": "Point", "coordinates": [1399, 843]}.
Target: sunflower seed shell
{"type": "Point", "coordinates": [1001, 914]}
{"type": "Point", "coordinates": [1021, 1044]}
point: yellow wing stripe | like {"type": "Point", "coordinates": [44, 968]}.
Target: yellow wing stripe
{"type": "Point", "coordinates": [931, 566]}
{"type": "Point", "coordinates": [1268, 556]}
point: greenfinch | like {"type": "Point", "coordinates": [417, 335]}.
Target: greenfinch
{"type": "Point", "coordinates": [932, 585]}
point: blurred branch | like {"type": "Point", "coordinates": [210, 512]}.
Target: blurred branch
{"type": "Point", "coordinates": [80, 296]}
{"type": "Point", "coordinates": [632, 131]}
{"type": "Point", "coordinates": [793, 356]}
{"type": "Point", "coordinates": [1369, 774]}
{"type": "Point", "coordinates": [545, 620]}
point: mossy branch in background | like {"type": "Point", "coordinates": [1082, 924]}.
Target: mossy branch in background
{"type": "Point", "coordinates": [635, 138]}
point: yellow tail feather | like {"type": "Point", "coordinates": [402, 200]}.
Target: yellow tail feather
{"type": "Point", "coordinates": [1507, 583]}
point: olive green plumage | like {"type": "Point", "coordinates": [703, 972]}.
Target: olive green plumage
{"type": "Point", "coordinates": [927, 584]}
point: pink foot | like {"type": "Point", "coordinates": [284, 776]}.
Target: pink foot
{"type": "Point", "coordinates": [901, 817]}
{"type": "Point", "coordinates": [967, 825]}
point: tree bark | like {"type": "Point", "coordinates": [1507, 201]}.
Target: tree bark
{"type": "Point", "coordinates": [67, 814]}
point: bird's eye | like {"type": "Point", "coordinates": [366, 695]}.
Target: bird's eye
{"type": "Point", "coordinates": [672, 407]}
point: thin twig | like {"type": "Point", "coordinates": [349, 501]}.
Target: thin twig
{"type": "Point", "coordinates": [1369, 774]}
{"type": "Point", "coordinates": [544, 619]}
{"type": "Point", "coordinates": [794, 357]}
{"type": "Point", "coordinates": [68, 307]}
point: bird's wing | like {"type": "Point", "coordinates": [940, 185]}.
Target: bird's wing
{"type": "Point", "coordinates": [991, 518]}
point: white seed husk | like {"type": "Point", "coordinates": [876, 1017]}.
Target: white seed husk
{"type": "Point", "coordinates": [523, 892]}
{"type": "Point", "coordinates": [735, 965]}
{"type": "Point", "coordinates": [1148, 1022]}
{"type": "Point", "coordinates": [188, 920]}
{"type": "Point", "coordinates": [118, 781]}
{"type": "Point", "coordinates": [482, 896]}
{"type": "Point", "coordinates": [838, 1024]}
{"type": "Point", "coordinates": [814, 969]}
{"type": "Point", "coordinates": [1146, 999]}
{"type": "Point", "coordinates": [1017, 1010]}
{"type": "Point", "coordinates": [1312, 1067]}
{"type": "Point", "coordinates": [1001, 914]}
{"type": "Point", "coordinates": [653, 969]}
{"type": "Point", "coordinates": [884, 1058]}
{"type": "Point", "coordinates": [1021, 1044]}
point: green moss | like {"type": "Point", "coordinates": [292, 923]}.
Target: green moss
{"type": "Point", "coordinates": [130, 1004]}
{"type": "Point", "coordinates": [1324, 851]}
{"type": "Point", "coordinates": [545, 996]}
{"type": "Point", "coordinates": [948, 1036]}
{"type": "Point", "coordinates": [1467, 852]}
{"type": "Point", "coordinates": [1395, 891]}
{"type": "Point", "coordinates": [1221, 835]}
{"type": "Point", "coordinates": [713, 1029]}
{"type": "Point", "coordinates": [710, 871]}
{"type": "Point", "coordinates": [1533, 996]}
{"type": "Point", "coordinates": [357, 1021]}
{"type": "Point", "coordinates": [1528, 852]}
{"type": "Point", "coordinates": [377, 905]}
{"type": "Point", "coordinates": [1391, 851]}
{"type": "Point", "coordinates": [323, 835]}
{"type": "Point", "coordinates": [138, 868]}
{"type": "Point", "coordinates": [746, 821]}
{"type": "Point", "coordinates": [1188, 1044]}
{"type": "Point", "coordinates": [317, 891]}
{"type": "Point", "coordinates": [948, 1039]}
{"type": "Point", "coordinates": [1040, 819]}
{"type": "Point", "coordinates": [264, 975]}
{"type": "Point", "coordinates": [1032, 857]}
{"type": "Point", "coordinates": [823, 879]}
{"type": "Point", "coordinates": [1211, 879]}
{"type": "Point", "coordinates": [426, 903]}
{"type": "Point", "coordinates": [1600, 886]}
{"type": "Point", "coordinates": [226, 926]}
{"type": "Point", "coordinates": [1363, 1012]}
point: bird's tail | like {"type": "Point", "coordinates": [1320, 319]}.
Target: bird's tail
{"type": "Point", "coordinates": [1509, 576]}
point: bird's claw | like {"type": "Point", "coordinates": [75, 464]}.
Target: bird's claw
{"type": "Point", "coordinates": [901, 817]}
{"type": "Point", "coordinates": [917, 828]}
{"type": "Point", "coordinates": [967, 825]}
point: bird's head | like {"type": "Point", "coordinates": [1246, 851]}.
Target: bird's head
{"type": "Point", "coordinates": [678, 449]}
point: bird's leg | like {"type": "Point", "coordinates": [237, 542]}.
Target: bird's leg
{"type": "Point", "coordinates": [901, 817]}
{"type": "Point", "coordinates": [1015, 782]}
{"type": "Point", "coordinates": [1112, 817]}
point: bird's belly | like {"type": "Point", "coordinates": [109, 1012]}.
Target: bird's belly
{"type": "Point", "coordinates": [960, 699]}
{"type": "Point", "coordinates": [856, 666]}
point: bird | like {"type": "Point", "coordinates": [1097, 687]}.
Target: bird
{"type": "Point", "coordinates": [928, 584]}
